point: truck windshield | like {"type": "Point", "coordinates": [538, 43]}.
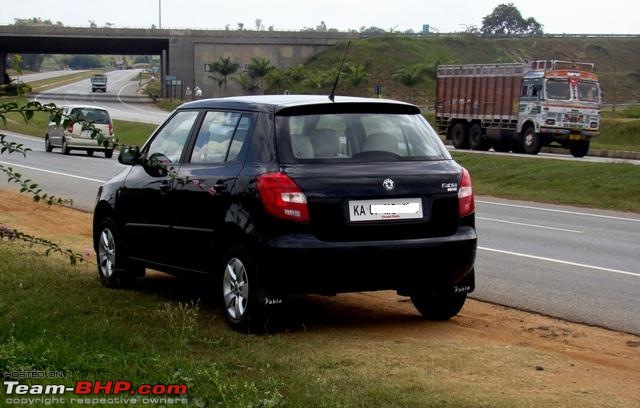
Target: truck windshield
{"type": "Point", "coordinates": [558, 89]}
{"type": "Point", "coordinates": [588, 91]}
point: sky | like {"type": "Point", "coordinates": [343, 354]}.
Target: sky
{"type": "Point", "coordinates": [583, 17]}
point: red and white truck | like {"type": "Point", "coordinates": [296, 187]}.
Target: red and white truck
{"type": "Point", "coordinates": [519, 107]}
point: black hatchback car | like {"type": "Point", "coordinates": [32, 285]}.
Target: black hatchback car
{"type": "Point", "coordinates": [273, 195]}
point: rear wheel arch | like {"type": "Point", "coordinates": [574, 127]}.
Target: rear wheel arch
{"type": "Point", "coordinates": [102, 211]}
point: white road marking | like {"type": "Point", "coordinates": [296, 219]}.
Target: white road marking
{"type": "Point", "coordinates": [560, 211]}
{"type": "Point", "coordinates": [542, 258]}
{"type": "Point", "coordinates": [529, 225]}
{"type": "Point", "coordinates": [53, 172]}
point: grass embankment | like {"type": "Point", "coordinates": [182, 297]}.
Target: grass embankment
{"type": "Point", "coordinates": [130, 133]}
{"type": "Point", "coordinates": [352, 350]}
{"type": "Point", "coordinates": [153, 89]}
{"type": "Point", "coordinates": [597, 185]}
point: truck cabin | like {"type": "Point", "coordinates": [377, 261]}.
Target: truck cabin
{"type": "Point", "coordinates": [561, 81]}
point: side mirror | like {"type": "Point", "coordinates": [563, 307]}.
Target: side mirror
{"type": "Point", "coordinates": [129, 156]}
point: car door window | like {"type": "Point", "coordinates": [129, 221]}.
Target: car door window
{"type": "Point", "coordinates": [168, 144]}
{"type": "Point", "coordinates": [221, 137]}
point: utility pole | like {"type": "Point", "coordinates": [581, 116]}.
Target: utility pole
{"type": "Point", "coordinates": [159, 14]}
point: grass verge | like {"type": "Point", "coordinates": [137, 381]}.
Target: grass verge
{"type": "Point", "coordinates": [597, 185]}
{"type": "Point", "coordinates": [618, 134]}
{"type": "Point", "coordinates": [46, 84]}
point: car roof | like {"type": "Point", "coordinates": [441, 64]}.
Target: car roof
{"type": "Point", "coordinates": [86, 107]}
{"type": "Point", "coordinates": [277, 103]}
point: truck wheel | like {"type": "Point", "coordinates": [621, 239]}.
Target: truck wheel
{"type": "Point", "coordinates": [531, 141]}
{"type": "Point", "coordinates": [433, 306]}
{"type": "Point", "coordinates": [580, 148]}
{"type": "Point", "coordinates": [459, 136]}
{"type": "Point", "coordinates": [108, 153]}
{"type": "Point", "coordinates": [240, 302]}
{"type": "Point", "coordinates": [476, 141]}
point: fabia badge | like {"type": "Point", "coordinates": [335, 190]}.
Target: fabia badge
{"type": "Point", "coordinates": [388, 184]}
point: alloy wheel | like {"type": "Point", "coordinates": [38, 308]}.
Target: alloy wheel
{"type": "Point", "coordinates": [107, 253]}
{"type": "Point", "coordinates": [235, 289]}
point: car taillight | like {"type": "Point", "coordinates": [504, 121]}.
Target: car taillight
{"type": "Point", "coordinates": [282, 198]}
{"type": "Point", "coordinates": [70, 127]}
{"type": "Point", "coordinates": [466, 202]}
{"type": "Point", "coordinates": [110, 128]}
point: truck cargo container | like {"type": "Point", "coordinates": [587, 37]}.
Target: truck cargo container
{"type": "Point", "coordinates": [519, 107]}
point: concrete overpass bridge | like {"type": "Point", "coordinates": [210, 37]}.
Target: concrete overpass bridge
{"type": "Point", "coordinates": [184, 53]}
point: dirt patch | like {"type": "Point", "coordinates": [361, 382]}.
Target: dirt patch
{"type": "Point", "coordinates": [527, 353]}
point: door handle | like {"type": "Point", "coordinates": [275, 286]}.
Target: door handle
{"type": "Point", "coordinates": [165, 186]}
{"type": "Point", "coordinates": [220, 186]}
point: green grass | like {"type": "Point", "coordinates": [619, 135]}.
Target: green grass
{"type": "Point", "coordinates": [130, 133]}
{"type": "Point", "coordinates": [133, 133]}
{"type": "Point", "coordinates": [59, 318]}
{"type": "Point", "coordinates": [597, 185]}
{"type": "Point", "coordinates": [618, 134]}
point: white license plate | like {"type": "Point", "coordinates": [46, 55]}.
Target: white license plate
{"type": "Point", "coordinates": [386, 209]}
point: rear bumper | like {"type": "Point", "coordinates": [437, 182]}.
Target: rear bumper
{"type": "Point", "coordinates": [301, 263]}
{"type": "Point", "coordinates": [82, 143]}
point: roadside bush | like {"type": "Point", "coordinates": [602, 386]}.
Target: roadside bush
{"type": "Point", "coordinates": [14, 89]}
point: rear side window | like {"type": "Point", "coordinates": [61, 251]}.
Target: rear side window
{"type": "Point", "coordinates": [221, 137]}
{"type": "Point", "coordinates": [357, 137]}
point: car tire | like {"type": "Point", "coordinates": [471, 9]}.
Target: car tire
{"type": "Point", "coordinates": [65, 147]}
{"type": "Point", "coordinates": [434, 306]}
{"type": "Point", "coordinates": [113, 269]}
{"type": "Point", "coordinates": [459, 136]}
{"type": "Point", "coordinates": [47, 144]}
{"type": "Point", "coordinates": [239, 294]}
{"type": "Point", "coordinates": [89, 153]}
{"type": "Point", "coordinates": [476, 139]}
{"type": "Point", "coordinates": [531, 141]}
{"type": "Point", "coordinates": [108, 153]}
{"type": "Point", "coordinates": [580, 148]}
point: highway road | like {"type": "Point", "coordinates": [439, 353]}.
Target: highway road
{"type": "Point", "coordinates": [121, 98]}
{"type": "Point", "coordinates": [577, 264]}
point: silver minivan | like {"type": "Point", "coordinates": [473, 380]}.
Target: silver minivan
{"type": "Point", "coordinates": [73, 137]}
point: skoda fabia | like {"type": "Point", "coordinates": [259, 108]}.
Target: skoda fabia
{"type": "Point", "coordinates": [274, 195]}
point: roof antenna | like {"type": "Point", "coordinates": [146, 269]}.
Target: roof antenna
{"type": "Point", "coordinates": [332, 95]}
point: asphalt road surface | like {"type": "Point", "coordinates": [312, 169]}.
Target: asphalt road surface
{"type": "Point", "coordinates": [573, 263]}
{"type": "Point", "coordinates": [120, 100]}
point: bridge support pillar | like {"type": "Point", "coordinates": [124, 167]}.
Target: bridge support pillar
{"type": "Point", "coordinates": [163, 74]}
{"type": "Point", "coordinates": [4, 77]}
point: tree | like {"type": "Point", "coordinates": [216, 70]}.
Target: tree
{"type": "Point", "coordinates": [258, 69]}
{"type": "Point", "coordinates": [225, 67]}
{"type": "Point", "coordinates": [356, 74]}
{"type": "Point", "coordinates": [259, 25]}
{"type": "Point", "coordinates": [410, 77]}
{"type": "Point", "coordinates": [276, 78]}
{"type": "Point", "coordinates": [506, 19]}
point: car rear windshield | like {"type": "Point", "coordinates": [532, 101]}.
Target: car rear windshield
{"type": "Point", "coordinates": [357, 137]}
{"type": "Point", "coordinates": [97, 116]}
